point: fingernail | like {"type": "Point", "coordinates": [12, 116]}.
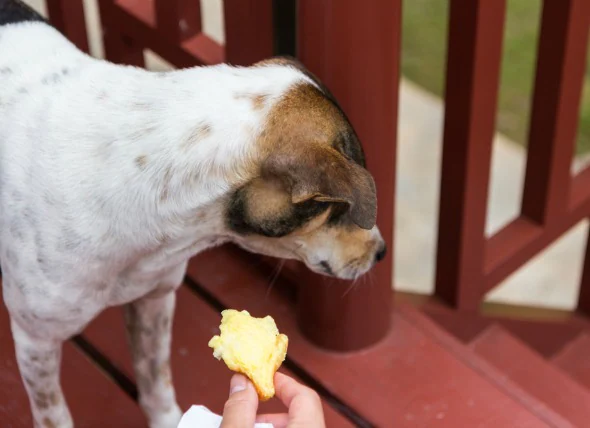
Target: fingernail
{"type": "Point", "coordinates": [238, 383]}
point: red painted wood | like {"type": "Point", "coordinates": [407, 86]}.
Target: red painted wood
{"type": "Point", "coordinates": [580, 189]}
{"type": "Point", "coordinates": [248, 31]}
{"type": "Point", "coordinates": [474, 54]}
{"type": "Point", "coordinates": [485, 369]}
{"type": "Point", "coordinates": [137, 19]}
{"type": "Point", "coordinates": [584, 294]}
{"type": "Point", "coordinates": [562, 53]}
{"type": "Point", "coordinates": [68, 17]}
{"type": "Point", "coordinates": [574, 359]}
{"type": "Point", "coordinates": [558, 88]}
{"type": "Point", "coordinates": [535, 375]}
{"type": "Point", "coordinates": [198, 376]}
{"type": "Point", "coordinates": [464, 327]}
{"type": "Point", "coordinates": [93, 399]}
{"type": "Point", "coordinates": [178, 20]}
{"type": "Point", "coordinates": [361, 68]}
{"type": "Point", "coordinates": [118, 46]}
{"type": "Point", "coordinates": [410, 378]}
{"type": "Point", "coordinates": [520, 240]}
{"type": "Point", "coordinates": [545, 337]}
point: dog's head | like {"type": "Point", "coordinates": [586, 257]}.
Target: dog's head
{"type": "Point", "coordinates": [313, 199]}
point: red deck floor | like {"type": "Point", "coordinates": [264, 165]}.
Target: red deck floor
{"type": "Point", "coordinates": [416, 377]}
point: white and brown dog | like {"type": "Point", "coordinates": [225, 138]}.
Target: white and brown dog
{"type": "Point", "coordinates": [112, 177]}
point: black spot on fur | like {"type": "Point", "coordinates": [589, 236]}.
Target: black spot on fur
{"type": "Point", "coordinates": [239, 221]}
{"type": "Point", "coordinates": [5, 71]}
{"type": "Point", "coordinates": [14, 11]}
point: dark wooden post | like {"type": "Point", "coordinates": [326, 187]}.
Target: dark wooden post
{"type": "Point", "coordinates": [354, 47]}
{"type": "Point", "coordinates": [248, 31]}
{"type": "Point", "coordinates": [473, 68]}
{"type": "Point", "coordinates": [68, 17]}
{"type": "Point", "coordinates": [178, 20]}
{"type": "Point", "coordinates": [558, 90]}
{"type": "Point", "coordinates": [118, 47]}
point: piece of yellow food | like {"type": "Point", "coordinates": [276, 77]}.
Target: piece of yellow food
{"type": "Point", "coordinates": [252, 346]}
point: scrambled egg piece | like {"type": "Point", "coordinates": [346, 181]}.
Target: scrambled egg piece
{"type": "Point", "coordinates": [252, 346]}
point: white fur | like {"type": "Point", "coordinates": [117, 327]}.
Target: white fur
{"type": "Point", "coordinates": [82, 226]}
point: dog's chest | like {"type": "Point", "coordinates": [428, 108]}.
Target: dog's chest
{"type": "Point", "coordinates": [160, 270]}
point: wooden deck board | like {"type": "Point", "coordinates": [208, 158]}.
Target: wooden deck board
{"type": "Point", "coordinates": [93, 399]}
{"type": "Point", "coordinates": [199, 378]}
{"type": "Point", "coordinates": [406, 380]}
{"type": "Point", "coordinates": [574, 359]}
{"type": "Point", "coordinates": [531, 371]}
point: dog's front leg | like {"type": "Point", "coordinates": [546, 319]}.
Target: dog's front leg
{"type": "Point", "coordinates": [149, 327]}
{"type": "Point", "coordinates": [39, 363]}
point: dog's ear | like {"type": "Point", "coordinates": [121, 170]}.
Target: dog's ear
{"type": "Point", "coordinates": [323, 174]}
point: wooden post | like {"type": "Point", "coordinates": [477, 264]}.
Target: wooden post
{"type": "Point", "coordinates": [558, 89]}
{"type": "Point", "coordinates": [354, 48]}
{"type": "Point", "coordinates": [68, 17]}
{"type": "Point", "coordinates": [178, 20]}
{"type": "Point", "coordinates": [248, 31]}
{"type": "Point", "coordinates": [473, 68]}
{"type": "Point", "coordinates": [118, 47]}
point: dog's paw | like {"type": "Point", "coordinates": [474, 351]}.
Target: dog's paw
{"type": "Point", "coordinates": [168, 419]}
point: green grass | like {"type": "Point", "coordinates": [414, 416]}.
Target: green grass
{"type": "Point", "coordinates": [424, 55]}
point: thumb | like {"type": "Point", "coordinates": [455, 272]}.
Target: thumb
{"type": "Point", "coordinates": [240, 408]}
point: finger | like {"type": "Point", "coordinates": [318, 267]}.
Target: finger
{"type": "Point", "coordinates": [240, 408]}
{"type": "Point", "coordinates": [305, 406]}
{"type": "Point", "coordinates": [287, 388]}
{"type": "Point", "coordinates": [278, 420]}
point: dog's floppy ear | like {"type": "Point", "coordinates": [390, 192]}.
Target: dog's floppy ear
{"type": "Point", "coordinates": [323, 174]}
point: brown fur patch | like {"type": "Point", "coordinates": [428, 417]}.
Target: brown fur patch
{"type": "Point", "coordinates": [270, 200]}
{"type": "Point", "coordinates": [258, 101]}
{"type": "Point", "coordinates": [166, 184]}
{"type": "Point", "coordinates": [299, 147]}
{"type": "Point", "coordinates": [48, 423]}
{"type": "Point", "coordinates": [42, 400]}
{"type": "Point", "coordinates": [141, 161]}
{"type": "Point", "coordinates": [200, 132]}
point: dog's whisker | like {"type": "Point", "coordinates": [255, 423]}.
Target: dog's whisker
{"type": "Point", "coordinates": [274, 277]}
{"type": "Point", "coordinates": [349, 288]}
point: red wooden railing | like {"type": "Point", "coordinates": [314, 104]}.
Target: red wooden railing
{"type": "Point", "coordinates": [468, 264]}
{"type": "Point", "coordinates": [354, 48]}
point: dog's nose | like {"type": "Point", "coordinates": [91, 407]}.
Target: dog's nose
{"type": "Point", "coordinates": [381, 253]}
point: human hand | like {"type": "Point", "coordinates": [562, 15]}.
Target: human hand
{"type": "Point", "coordinates": [304, 404]}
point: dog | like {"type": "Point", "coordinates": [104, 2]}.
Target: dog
{"type": "Point", "coordinates": [112, 177]}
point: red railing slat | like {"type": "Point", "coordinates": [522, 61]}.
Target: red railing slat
{"type": "Point", "coordinates": [178, 20]}
{"type": "Point", "coordinates": [118, 47]}
{"type": "Point", "coordinates": [248, 31]}
{"type": "Point", "coordinates": [68, 17]}
{"type": "Point", "coordinates": [558, 87]}
{"type": "Point", "coordinates": [473, 68]}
